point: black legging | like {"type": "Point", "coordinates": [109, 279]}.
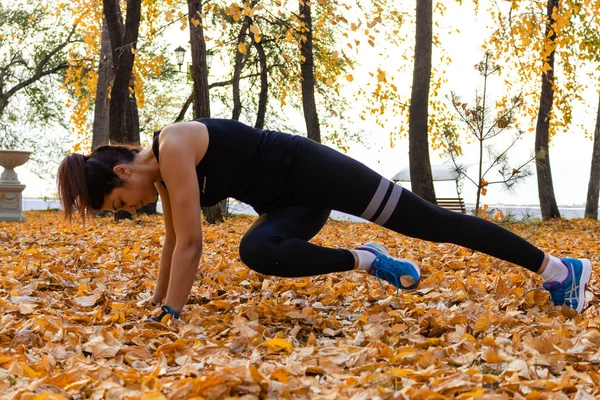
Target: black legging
{"type": "Point", "coordinates": [277, 243]}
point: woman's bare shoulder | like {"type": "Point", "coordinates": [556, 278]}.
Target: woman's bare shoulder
{"type": "Point", "coordinates": [185, 136]}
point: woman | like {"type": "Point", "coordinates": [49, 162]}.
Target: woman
{"type": "Point", "coordinates": [293, 183]}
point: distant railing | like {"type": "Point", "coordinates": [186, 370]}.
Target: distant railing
{"type": "Point", "coordinates": [453, 204]}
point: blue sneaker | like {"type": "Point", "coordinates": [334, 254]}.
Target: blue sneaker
{"type": "Point", "coordinates": [392, 269]}
{"type": "Point", "coordinates": [572, 290]}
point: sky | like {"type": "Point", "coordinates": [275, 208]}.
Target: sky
{"type": "Point", "coordinates": [570, 154]}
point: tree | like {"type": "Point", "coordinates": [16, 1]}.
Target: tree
{"type": "Point", "coordinates": [32, 50]}
{"type": "Point", "coordinates": [271, 75]}
{"type": "Point", "coordinates": [100, 133]}
{"type": "Point", "coordinates": [485, 128]}
{"type": "Point", "coordinates": [123, 122]}
{"type": "Point", "coordinates": [34, 47]}
{"type": "Point", "coordinates": [591, 205]}
{"type": "Point", "coordinates": [420, 167]}
{"type": "Point", "coordinates": [263, 96]}
{"type": "Point", "coordinates": [307, 65]}
{"type": "Point", "coordinates": [240, 60]}
{"type": "Point", "coordinates": [548, 205]}
{"type": "Point", "coordinates": [537, 39]}
{"type": "Point", "coordinates": [151, 69]}
{"type": "Point", "coordinates": [200, 92]}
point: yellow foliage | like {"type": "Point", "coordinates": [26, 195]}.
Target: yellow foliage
{"type": "Point", "coordinates": [82, 80]}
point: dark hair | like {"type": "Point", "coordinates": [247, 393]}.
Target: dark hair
{"type": "Point", "coordinates": [83, 181]}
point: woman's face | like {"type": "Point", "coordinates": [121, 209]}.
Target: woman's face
{"type": "Point", "coordinates": [137, 191]}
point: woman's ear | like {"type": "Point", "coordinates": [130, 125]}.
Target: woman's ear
{"type": "Point", "coordinates": [122, 171]}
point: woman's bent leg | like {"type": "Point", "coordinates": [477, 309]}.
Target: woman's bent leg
{"type": "Point", "coordinates": [277, 244]}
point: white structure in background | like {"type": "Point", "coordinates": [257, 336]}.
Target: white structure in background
{"type": "Point", "coordinates": [442, 173]}
{"type": "Point", "coordinates": [11, 197]}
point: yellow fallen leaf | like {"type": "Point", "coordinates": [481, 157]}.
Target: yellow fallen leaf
{"type": "Point", "coordinates": [154, 396]}
{"type": "Point", "coordinates": [402, 372]}
{"type": "Point", "coordinates": [48, 396]}
{"type": "Point", "coordinates": [280, 375]}
{"type": "Point", "coordinates": [482, 324]}
{"type": "Point", "coordinates": [30, 373]}
{"type": "Point", "coordinates": [277, 344]}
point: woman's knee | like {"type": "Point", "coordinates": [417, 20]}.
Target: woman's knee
{"type": "Point", "coordinates": [257, 253]}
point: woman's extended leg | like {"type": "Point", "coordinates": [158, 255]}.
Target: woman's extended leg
{"type": "Point", "coordinates": [277, 244]}
{"type": "Point", "coordinates": [332, 180]}
{"type": "Point", "coordinates": [335, 181]}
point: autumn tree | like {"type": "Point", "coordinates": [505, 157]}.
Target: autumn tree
{"type": "Point", "coordinates": [307, 62]}
{"type": "Point", "coordinates": [123, 122]}
{"type": "Point", "coordinates": [265, 39]}
{"type": "Point", "coordinates": [548, 205]}
{"type": "Point", "coordinates": [485, 127]}
{"type": "Point", "coordinates": [88, 86]}
{"type": "Point", "coordinates": [100, 133]}
{"type": "Point", "coordinates": [536, 39]}
{"type": "Point", "coordinates": [33, 56]}
{"type": "Point", "coordinates": [589, 41]}
{"type": "Point", "coordinates": [421, 179]}
{"type": "Point", "coordinates": [392, 104]}
{"type": "Point", "coordinates": [34, 46]}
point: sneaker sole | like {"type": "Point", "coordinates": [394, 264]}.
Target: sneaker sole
{"type": "Point", "coordinates": [414, 264]}
{"type": "Point", "coordinates": [586, 275]}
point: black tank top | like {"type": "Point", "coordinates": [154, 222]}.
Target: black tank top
{"type": "Point", "coordinates": [248, 164]}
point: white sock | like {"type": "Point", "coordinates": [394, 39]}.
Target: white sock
{"type": "Point", "coordinates": [365, 259]}
{"type": "Point", "coordinates": [555, 270]}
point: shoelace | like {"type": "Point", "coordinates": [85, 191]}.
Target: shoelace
{"type": "Point", "coordinates": [397, 283]}
{"type": "Point", "coordinates": [549, 288]}
{"type": "Point", "coordinates": [531, 290]}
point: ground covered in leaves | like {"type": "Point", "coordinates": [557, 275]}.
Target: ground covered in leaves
{"type": "Point", "coordinates": [73, 312]}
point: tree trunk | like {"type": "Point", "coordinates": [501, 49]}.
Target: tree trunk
{"type": "Point", "coordinates": [201, 90]}
{"type": "Point", "coordinates": [237, 70]}
{"type": "Point", "coordinates": [264, 86]}
{"type": "Point", "coordinates": [199, 68]}
{"type": "Point", "coordinates": [591, 206]}
{"type": "Point", "coordinates": [421, 179]}
{"type": "Point", "coordinates": [123, 41]}
{"type": "Point", "coordinates": [100, 134]}
{"type": "Point", "coordinates": [307, 67]}
{"type": "Point", "coordinates": [123, 124]}
{"type": "Point", "coordinates": [3, 104]}
{"type": "Point", "coordinates": [548, 205]}
{"type": "Point", "coordinates": [184, 109]}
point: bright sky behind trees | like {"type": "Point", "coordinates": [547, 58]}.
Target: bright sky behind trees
{"type": "Point", "coordinates": [570, 153]}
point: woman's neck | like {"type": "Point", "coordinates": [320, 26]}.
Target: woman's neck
{"type": "Point", "coordinates": [145, 162]}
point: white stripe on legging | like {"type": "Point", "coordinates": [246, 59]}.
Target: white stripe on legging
{"type": "Point", "coordinates": [390, 206]}
{"type": "Point", "coordinates": [376, 200]}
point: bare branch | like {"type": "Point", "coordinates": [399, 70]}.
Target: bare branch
{"type": "Point", "coordinates": [463, 117]}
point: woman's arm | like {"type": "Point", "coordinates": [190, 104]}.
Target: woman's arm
{"type": "Point", "coordinates": [180, 146]}
{"type": "Point", "coordinates": [164, 270]}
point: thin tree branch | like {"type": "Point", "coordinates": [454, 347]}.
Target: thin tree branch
{"type": "Point", "coordinates": [39, 69]}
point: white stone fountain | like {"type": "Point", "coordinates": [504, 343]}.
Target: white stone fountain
{"type": "Point", "coordinates": [11, 198]}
